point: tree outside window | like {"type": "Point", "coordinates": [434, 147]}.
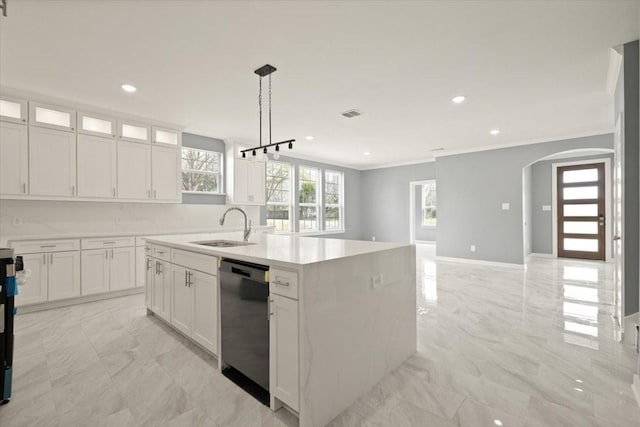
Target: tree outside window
{"type": "Point", "coordinates": [333, 200]}
{"type": "Point", "coordinates": [429, 204]}
{"type": "Point", "coordinates": [201, 171]}
{"type": "Point", "coordinates": [278, 189]}
{"type": "Point", "coordinates": [308, 186]}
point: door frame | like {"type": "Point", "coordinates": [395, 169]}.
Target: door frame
{"type": "Point", "coordinates": [412, 207]}
{"type": "Point", "coordinates": [608, 237]}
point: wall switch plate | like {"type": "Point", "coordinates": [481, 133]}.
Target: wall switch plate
{"type": "Point", "coordinates": [17, 220]}
{"type": "Point", "coordinates": [377, 281]}
{"type": "Point", "coordinates": [472, 248]}
{"type": "Point", "coordinates": [546, 208]}
{"type": "Point", "coordinates": [505, 206]}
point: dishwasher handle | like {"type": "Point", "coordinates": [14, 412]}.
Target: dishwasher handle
{"type": "Point", "coordinates": [241, 272]}
{"type": "Point", "coordinates": [255, 272]}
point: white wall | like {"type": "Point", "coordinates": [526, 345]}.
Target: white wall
{"type": "Point", "coordinates": [50, 218]}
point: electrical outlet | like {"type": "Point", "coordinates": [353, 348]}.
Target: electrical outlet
{"type": "Point", "coordinates": [505, 206]}
{"type": "Point", "coordinates": [377, 281]}
{"type": "Point", "coordinates": [373, 238]}
{"type": "Point", "coordinates": [17, 220]}
{"type": "Point", "coordinates": [472, 248]}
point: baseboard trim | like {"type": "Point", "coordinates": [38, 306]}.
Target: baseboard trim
{"type": "Point", "coordinates": [629, 330]}
{"type": "Point", "coordinates": [636, 388]}
{"type": "Point", "coordinates": [481, 262]}
{"type": "Point", "coordinates": [30, 308]}
{"type": "Point", "coordinates": [541, 255]}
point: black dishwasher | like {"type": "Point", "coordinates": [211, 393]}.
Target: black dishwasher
{"type": "Point", "coordinates": [244, 306]}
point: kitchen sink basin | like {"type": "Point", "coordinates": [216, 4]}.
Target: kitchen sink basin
{"type": "Point", "coordinates": [222, 243]}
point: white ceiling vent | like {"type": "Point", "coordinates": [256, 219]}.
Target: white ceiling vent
{"type": "Point", "coordinates": [351, 114]}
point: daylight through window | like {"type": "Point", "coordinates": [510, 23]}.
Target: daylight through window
{"type": "Point", "coordinates": [429, 204]}
{"type": "Point", "coordinates": [201, 171]}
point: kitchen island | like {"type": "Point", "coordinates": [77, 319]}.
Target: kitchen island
{"type": "Point", "coordinates": [342, 312]}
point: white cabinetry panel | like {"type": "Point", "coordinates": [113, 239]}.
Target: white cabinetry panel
{"type": "Point", "coordinates": [205, 310]}
{"type": "Point", "coordinates": [35, 290]}
{"type": "Point", "coordinates": [283, 350]}
{"type": "Point", "coordinates": [95, 271]}
{"type": "Point", "coordinates": [14, 158]}
{"type": "Point", "coordinates": [182, 300]}
{"type": "Point", "coordinates": [165, 173]}
{"type": "Point", "coordinates": [134, 171]}
{"type": "Point", "coordinates": [96, 167]}
{"type": "Point", "coordinates": [122, 269]}
{"type": "Point", "coordinates": [52, 162]}
{"type": "Point", "coordinates": [64, 275]}
{"type": "Point", "coordinates": [13, 109]}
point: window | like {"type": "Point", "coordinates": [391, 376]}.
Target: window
{"type": "Point", "coordinates": [308, 200]}
{"type": "Point", "coordinates": [333, 200]}
{"type": "Point", "coordinates": [201, 171]}
{"type": "Point", "coordinates": [279, 195]}
{"type": "Point", "coordinates": [429, 204]}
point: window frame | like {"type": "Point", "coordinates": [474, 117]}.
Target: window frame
{"type": "Point", "coordinates": [290, 204]}
{"type": "Point", "coordinates": [424, 207]}
{"type": "Point", "coordinates": [318, 203]}
{"type": "Point", "coordinates": [339, 205]}
{"type": "Point", "coordinates": [220, 173]}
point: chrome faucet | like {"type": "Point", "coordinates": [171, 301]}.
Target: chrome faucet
{"type": "Point", "coordinates": [247, 229]}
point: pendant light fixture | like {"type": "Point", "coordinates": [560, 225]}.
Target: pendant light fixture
{"type": "Point", "coordinates": [266, 71]}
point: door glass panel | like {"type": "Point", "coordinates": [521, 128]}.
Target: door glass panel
{"type": "Point", "coordinates": [581, 210]}
{"type": "Point", "coordinates": [580, 175]}
{"type": "Point", "coordinates": [572, 193]}
{"type": "Point", "coordinates": [135, 132]}
{"type": "Point", "coordinates": [582, 245]}
{"type": "Point", "coordinates": [52, 117]}
{"type": "Point", "coordinates": [10, 109]}
{"type": "Point", "coordinates": [166, 137]}
{"type": "Point", "coordinates": [581, 227]}
{"type": "Point", "coordinates": [96, 125]}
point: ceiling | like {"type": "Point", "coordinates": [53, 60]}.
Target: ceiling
{"type": "Point", "coordinates": [535, 70]}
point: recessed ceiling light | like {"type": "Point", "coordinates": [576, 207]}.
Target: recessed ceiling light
{"type": "Point", "coordinates": [128, 88]}
{"type": "Point", "coordinates": [497, 422]}
{"type": "Point", "coordinates": [579, 390]}
{"type": "Point", "coordinates": [308, 138]}
{"type": "Point", "coordinates": [494, 131]}
{"type": "Point", "coordinates": [367, 153]}
{"type": "Point", "coordinates": [458, 99]}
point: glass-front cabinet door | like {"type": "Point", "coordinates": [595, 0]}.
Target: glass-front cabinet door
{"type": "Point", "coordinates": [52, 116]}
{"type": "Point", "coordinates": [166, 136]}
{"type": "Point", "coordinates": [96, 124]}
{"type": "Point", "coordinates": [133, 131]}
{"type": "Point", "coordinates": [13, 109]}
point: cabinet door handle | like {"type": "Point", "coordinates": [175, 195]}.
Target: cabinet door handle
{"type": "Point", "coordinates": [148, 194]}
{"type": "Point", "coordinates": [280, 283]}
{"type": "Point", "coordinates": [51, 259]}
{"type": "Point", "coordinates": [155, 194]}
{"type": "Point", "coordinates": [47, 246]}
{"type": "Point", "coordinates": [186, 274]}
{"type": "Point", "coordinates": [44, 259]}
{"type": "Point", "coordinates": [24, 187]}
{"type": "Point", "coordinates": [106, 254]}
{"type": "Point", "coordinates": [73, 190]}
{"type": "Point", "coordinates": [111, 253]}
{"type": "Point", "coordinates": [271, 313]}
{"type": "Point", "coordinates": [148, 264]}
{"type": "Point", "coordinates": [114, 191]}
{"type": "Point", "coordinates": [110, 242]}
{"type": "Point", "coordinates": [190, 279]}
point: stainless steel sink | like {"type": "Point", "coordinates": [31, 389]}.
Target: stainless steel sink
{"type": "Point", "coordinates": [222, 243]}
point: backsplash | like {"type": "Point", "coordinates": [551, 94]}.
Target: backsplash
{"type": "Point", "coordinates": [24, 218]}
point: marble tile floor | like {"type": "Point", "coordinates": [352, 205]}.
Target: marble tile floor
{"type": "Point", "coordinates": [496, 346]}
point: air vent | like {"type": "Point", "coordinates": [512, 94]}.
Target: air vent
{"type": "Point", "coordinates": [351, 114]}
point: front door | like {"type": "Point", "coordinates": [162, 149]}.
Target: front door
{"type": "Point", "coordinates": [581, 211]}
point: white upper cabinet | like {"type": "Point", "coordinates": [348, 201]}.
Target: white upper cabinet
{"type": "Point", "coordinates": [95, 124]}
{"type": "Point", "coordinates": [166, 136]}
{"type": "Point", "coordinates": [249, 182]}
{"type": "Point", "coordinates": [96, 167]}
{"type": "Point", "coordinates": [134, 171]}
{"type": "Point", "coordinates": [165, 174]}
{"type": "Point", "coordinates": [14, 159]}
{"type": "Point", "coordinates": [133, 131]}
{"type": "Point", "coordinates": [52, 162]}
{"type": "Point", "coordinates": [52, 116]}
{"type": "Point", "coordinates": [13, 110]}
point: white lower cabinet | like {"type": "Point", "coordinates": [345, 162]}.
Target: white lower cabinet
{"type": "Point", "coordinates": [105, 270]}
{"type": "Point", "coordinates": [64, 275]}
{"type": "Point", "coordinates": [35, 290]}
{"type": "Point", "coordinates": [182, 300]}
{"type": "Point", "coordinates": [141, 266]}
{"type": "Point", "coordinates": [161, 304]}
{"type": "Point", "coordinates": [283, 350]}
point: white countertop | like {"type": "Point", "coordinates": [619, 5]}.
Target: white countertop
{"type": "Point", "coordinates": [281, 249]}
{"type": "Point", "coordinates": [83, 235]}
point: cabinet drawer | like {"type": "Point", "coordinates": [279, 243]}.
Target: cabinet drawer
{"type": "Point", "coordinates": [39, 246]}
{"type": "Point", "coordinates": [283, 282]}
{"type": "Point", "coordinates": [108, 242]}
{"type": "Point", "coordinates": [205, 263]}
{"type": "Point", "coordinates": [160, 252]}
